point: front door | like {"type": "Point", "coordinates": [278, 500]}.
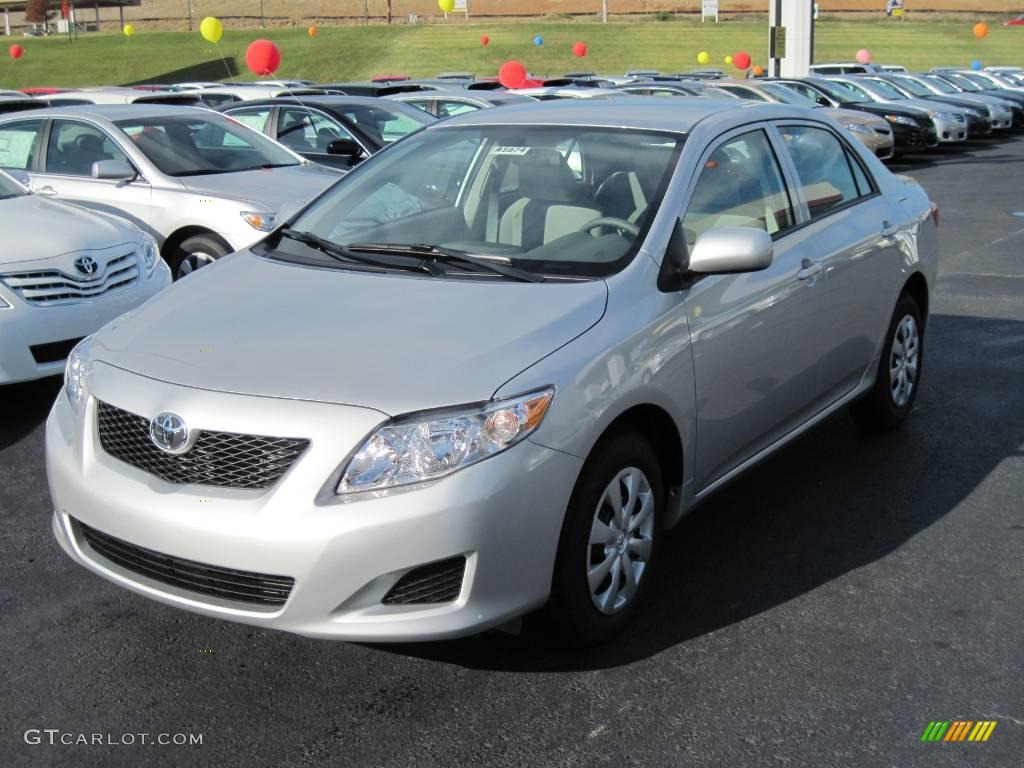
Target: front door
{"type": "Point", "coordinates": [66, 173]}
{"type": "Point", "coordinates": [754, 336]}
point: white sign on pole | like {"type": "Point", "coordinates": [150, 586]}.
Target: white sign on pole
{"type": "Point", "coordinates": [708, 8]}
{"type": "Point", "coordinates": [462, 5]}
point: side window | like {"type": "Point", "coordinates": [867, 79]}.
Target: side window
{"type": "Point", "coordinates": [19, 144]}
{"type": "Point", "coordinates": [253, 117]}
{"type": "Point", "coordinates": [740, 185]}
{"type": "Point", "coordinates": [452, 108]}
{"type": "Point", "coordinates": [303, 131]}
{"type": "Point", "coordinates": [74, 147]}
{"type": "Point", "coordinates": [824, 167]}
{"type": "Point", "coordinates": [423, 104]}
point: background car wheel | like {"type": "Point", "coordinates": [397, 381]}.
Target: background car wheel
{"type": "Point", "coordinates": [196, 252]}
{"type": "Point", "coordinates": [888, 403]}
{"type": "Point", "coordinates": [609, 542]}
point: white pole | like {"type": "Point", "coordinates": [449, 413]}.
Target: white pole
{"type": "Point", "coordinates": [604, 11]}
{"type": "Point", "coordinates": [7, 23]}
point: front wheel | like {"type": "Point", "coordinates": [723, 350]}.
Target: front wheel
{"type": "Point", "coordinates": [888, 403]}
{"type": "Point", "coordinates": [609, 542]}
{"type": "Point", "coordinates": [196, 252]}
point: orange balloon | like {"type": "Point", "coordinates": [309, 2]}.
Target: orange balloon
{"type": "Point", "coordinates": [758, 71]}
{"type": "Point", "coordinates": [313, 30]}
{"type": "Point", "coordinates": [981, 30]}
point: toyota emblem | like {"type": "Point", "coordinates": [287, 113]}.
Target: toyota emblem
{"type": "Point", "coordinates": [86, 265]}
{"type": "Point", "coordinates": [170, 434]}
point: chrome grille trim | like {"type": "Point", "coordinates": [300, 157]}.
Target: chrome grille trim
{"type": "Point", "coordinates": [220, 459]}
{"type": "Point", "coordinates": [49, 287]}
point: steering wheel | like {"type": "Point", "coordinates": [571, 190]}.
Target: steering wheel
{"type": "Point", "coordinates": [610, 221]}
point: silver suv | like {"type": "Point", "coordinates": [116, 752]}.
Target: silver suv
{"type": "Point", "coordinates": [483, 374]}
{"type": "Point", "coordinates": [204, 185]}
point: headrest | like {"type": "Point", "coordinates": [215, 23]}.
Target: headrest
{"type": "Point", "coordinates": [544, 175]}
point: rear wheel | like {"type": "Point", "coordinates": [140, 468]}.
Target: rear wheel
{"type": "Point", "coordinates": [195, 253]}
{"type": "Point", "coordinates": [609, 542]}
{"type": "Point", "coordinates": [890, 400]}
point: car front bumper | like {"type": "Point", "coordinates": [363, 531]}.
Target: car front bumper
{"type": "Point", "coordinates": [504, 515]}
{"type": "Point", "coordinates": [26, 326]}
{"type": "Point", "coordinates": [950, 131]}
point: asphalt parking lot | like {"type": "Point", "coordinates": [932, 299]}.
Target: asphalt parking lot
{"type": "Point", "coordinates": [819, 612]}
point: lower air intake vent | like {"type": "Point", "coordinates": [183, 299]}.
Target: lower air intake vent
{"type": "Point", "coordinates": [438, 582]}
{"type": "Point", "coordinates": [213, 580]}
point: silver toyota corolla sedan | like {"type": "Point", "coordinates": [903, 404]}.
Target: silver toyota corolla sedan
{"type": "Point", "coordinates": [202, 184]}
{"type": "Point", "coordinates": [483, 375]}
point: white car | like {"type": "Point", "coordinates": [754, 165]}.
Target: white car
{"type": "Point", "coordinates": [203, 184]}
{"type": "Point", "coordinates": [64, 272]}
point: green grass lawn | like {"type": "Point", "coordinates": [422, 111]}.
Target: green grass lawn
{"type": "Point", "coordinates": [352, 53]}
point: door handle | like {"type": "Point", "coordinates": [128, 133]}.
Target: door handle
{"type": "Point", "coordinates": [47, 191]}
{"type": "Point", "coordinates": [809, 269]}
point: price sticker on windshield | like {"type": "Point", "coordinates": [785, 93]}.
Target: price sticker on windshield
{"type": "Point", "coordinates": [513, 151]}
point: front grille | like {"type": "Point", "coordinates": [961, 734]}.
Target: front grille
{"type": "Point", "coordinates": [53, 352]}
{"type": "Point", "coordinates": [223, 459]}
{"type": "Point", "coordinates": [439, 582]}
{"type": "Point", "coordinates": [53, 286]}
{"type": "Point", "coordinates": [225, 583]}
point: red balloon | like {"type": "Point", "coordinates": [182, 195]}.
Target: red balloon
{"type": "Point", "coordinates": [485, 40]}
{"type": "Point", "coordinates": [262, 57]}
{"type": "Point", "coordinates": [741, 60]}
{"type": "Point", "coordinates": [579, 50]}
{"type": "Point", "coordinates": [512, 74]}
{"type": "Point", "coordinates": [16, 51]}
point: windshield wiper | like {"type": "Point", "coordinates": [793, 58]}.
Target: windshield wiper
{"type": "Point", "coordinates": [437, 253]}
{"type": "Point", "coordinates": [341, 253]}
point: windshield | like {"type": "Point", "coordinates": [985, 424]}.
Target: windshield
{"type": "Point", "coordinates": [527, 196]}
{"type": "Point", "coordinates": [841, 92]}
{"type": "Point", "coordinates": [914, 87]}
{"type": "Point", "coordinates": [8, 188]}
{"type": "Point", "coordinates": [888, 90]}
{"type": "Point", "coordinates": [964, 82]}
{"type": "Point", "coordinates": [787, 96]}
{"type": "Point", "coordinates": [388, 122]}
{"type": "Point", "coordinates": [982, 82]}
{"type": "Point", "coordinates": [941, 84]}
{"type": "Point", "coordinates": [194, 145]}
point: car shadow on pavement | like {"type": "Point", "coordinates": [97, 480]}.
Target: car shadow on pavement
{"type": "Point", "coordinates": [23, 407]}
{"type": "Point", "coordinates": [833, 501]}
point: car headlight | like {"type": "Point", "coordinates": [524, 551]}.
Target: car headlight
{"type": "Point", "coordinates": [901, 120]}
{"type": "Point", "coordinates": [75, 370]}
{"type": "Point", "coordinates": [857, 128]}
{"type": "Point", "coordinates": [264, 222]}
{"type": "Point", "coordinates": [942, 115]}
{"type": "Point", "coordinates": [150, 252]}
{"type": "Point", "coordinates": [431, 446]}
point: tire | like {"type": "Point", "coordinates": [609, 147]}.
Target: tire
{"type": "Point", "coordinates": [888, 403]}
{"type": "Point", "coordinates": [196, 252]}
{"type": "Point", "coordinates": [621, 461]}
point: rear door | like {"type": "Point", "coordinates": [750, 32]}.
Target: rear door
{"type": "Point", "coordinates": [65, 172]}
{"type": "Point", "coordinates": [754, 336]}
{"type": "Point", "coordinates": [857, 234]}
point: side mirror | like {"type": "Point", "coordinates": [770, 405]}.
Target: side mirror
{"type": "Point", "coordinates": [113, 170]}
{"type": "Point", "coordinates": [729, 250]}
{"type": "Point", "coordinates": [345, 147]}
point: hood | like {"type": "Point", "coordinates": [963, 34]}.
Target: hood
{"type": "Point", "coordinates": [928, 105]}
{"type": "Point", "coordinates": [271, 188]}
{"type": "Point", "coordinates": [394, 342]}
{"type": "Point", "coordinates": [67, 229]}
{"type": "Point", "coordinates": [853, 116]}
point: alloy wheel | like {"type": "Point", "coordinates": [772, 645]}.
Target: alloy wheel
{"type": "Point", "coordinates": [903, 361]}
{"type": "Point", "coordinates": [193, 261]}
{"type": "Point", "coordinates": [621, 540]}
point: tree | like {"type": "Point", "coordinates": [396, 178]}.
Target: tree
{"type": "Point", "coordinates": [387, 5]}
{"type": "Point", "coordinates": [36, 11]}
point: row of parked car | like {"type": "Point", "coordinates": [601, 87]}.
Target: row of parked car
{"type": "Point", "coordinates": [111, 193]}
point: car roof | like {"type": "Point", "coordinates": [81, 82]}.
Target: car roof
{"type": "Point", "coordinates": [114, 112]}
{"type": "Point", "coordinates": [641, 112]}
{"type": "Point", "coordinates": [322, 100]}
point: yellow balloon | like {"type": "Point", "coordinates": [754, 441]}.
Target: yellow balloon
{"type": "Point", "coordinates": [211, 29]}
{"type": "Point", "coordinates": [446, 5]}
{"type": "Point", "coordinates": [728, 59]}
{"type": "Point", "coordinates": [703, 57]}
{"type": "Point", "coordinates": [128, 30]}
